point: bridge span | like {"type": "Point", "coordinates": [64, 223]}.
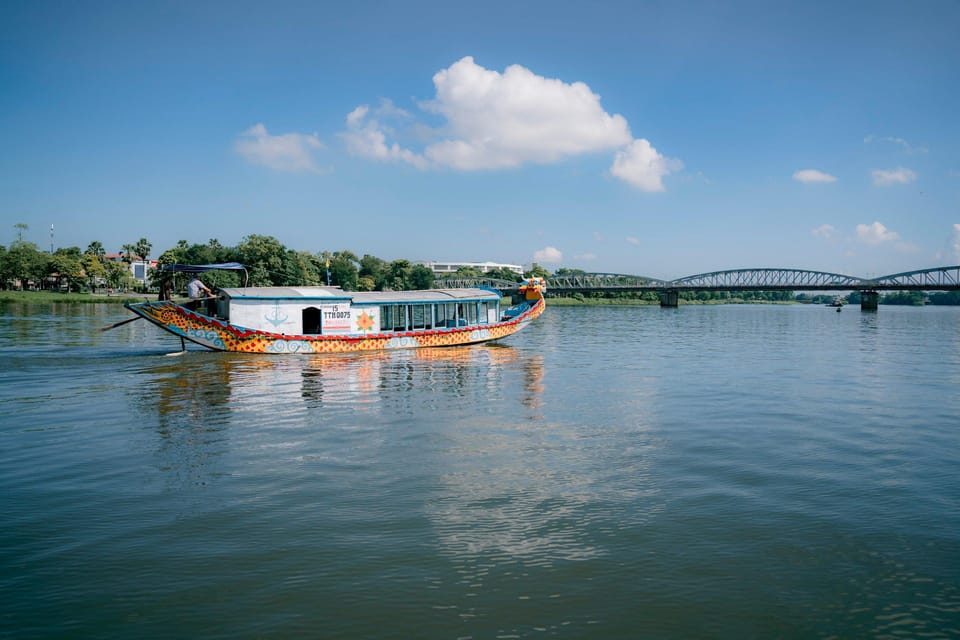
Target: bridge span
{"type": "Point", "coordinates": [766, 279]}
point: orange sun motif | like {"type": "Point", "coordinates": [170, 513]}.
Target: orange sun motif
{"type": "Point", "coordinates": [364, 322]}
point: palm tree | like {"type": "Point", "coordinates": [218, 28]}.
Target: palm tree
{"type": "Point", "coordinates": [96, 248]}
{"type": "Point", "coordinates": [143, 247]}
{"type": "Point", "coordinates": [129, 253]}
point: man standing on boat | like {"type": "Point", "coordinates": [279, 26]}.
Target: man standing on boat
{"type": "Point", "coordinates": [197, 291]}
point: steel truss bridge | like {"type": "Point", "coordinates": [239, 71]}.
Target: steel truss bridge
{"type": "Point", "coordinates": [934, 279]}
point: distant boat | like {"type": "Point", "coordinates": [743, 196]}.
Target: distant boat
{"type": "Point", "coordinates": [837, 302]}
{"type": "Point", "coordinates": [330, 320]}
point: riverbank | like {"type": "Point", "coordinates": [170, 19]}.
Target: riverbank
{"type": "Point", "coordinates": [72, 298]}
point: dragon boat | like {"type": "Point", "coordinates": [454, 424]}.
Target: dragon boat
{"type": "Point", "coordinates": [331, 320]}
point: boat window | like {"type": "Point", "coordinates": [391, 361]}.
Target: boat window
{"type": "Point", "coordinates": [468, 312]}
{"type": "Point", "coordinates": [446, 315]}
{"type": "Point", "coordinates": [421, 316]}
{"type": "Point", "coordinates": [393, 317]}
{"type": "Point", "coordinates": [485, 312]}
{"type": "Point", "coordinates": [311, 321]}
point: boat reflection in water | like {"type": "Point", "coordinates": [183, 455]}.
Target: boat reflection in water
{"type": "Point", "coordinates": [400, 380]}
{"type": "Point", "coordinates": [200, 397]}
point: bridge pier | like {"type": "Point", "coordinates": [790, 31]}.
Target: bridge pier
{"type": "Point", "coordinates": [869, 300]}
{"type": "Point", "coordinates": [670, 299]}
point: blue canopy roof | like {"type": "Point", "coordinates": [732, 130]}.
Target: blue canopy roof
{"type": "Point", "coordinates": [199, 268]}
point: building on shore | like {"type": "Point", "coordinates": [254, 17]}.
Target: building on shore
{"type": "Point", "coordinates": [137, 265]}
{"type": "Point", "coordinates": [449, 268]}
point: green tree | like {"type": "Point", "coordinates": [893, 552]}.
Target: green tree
{"type": "Point", "coordinates": [128, 253]}
{"type": "Point", "coordinates": [343, 267]}
{"type": "Point", "coordinates": [263, 256]}
{"type": "Point", "coordinates": [502, 273]}
{"type": "Point", "coordinates": [24, 262]}
{"type": "Point", "coordinates": [421, 277]}
{"type": "Point", "coordinates": [375, 269]}
{"type": "Point", "coordinates": [398, 275]}
{"type": "Point", "coordinates": [93, 268]}
{"type": "Point", "coordinates": [536, 271]}
{"type": "Point", "coordinates": [910, 298]}
{"type": "Point", "coordinates": [945, 297]}
{"type": "Point", "coordinates": [211, 253]}
{"type": "Point", "coordinates": [95, 248]}
{"type": "Point", "coordinates": [300, 268]}
{"type": "Point", "coordinates": [118, 275]}
{"type": "Point", "coordinates": [66, 265]}
{"type": "Point", "coordinates": [142, 248]}
{"type": "Point", "coordinates": [468, 272]}
{"type": "Point", "coordinates": [174, 255]}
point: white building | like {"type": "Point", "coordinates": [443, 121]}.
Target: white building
{"type": "Point", "coordinates": [137, 265]}
{"type": "Point", "coordinates": [448, 268]}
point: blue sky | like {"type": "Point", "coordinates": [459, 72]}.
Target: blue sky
{"type": "Point", "coordinates": [655, 138]}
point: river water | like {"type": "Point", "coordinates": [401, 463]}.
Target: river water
{"type": "Point", "coordinates": [611, 472]}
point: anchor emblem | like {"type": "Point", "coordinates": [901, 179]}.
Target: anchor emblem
{"type": "Point", "coordinates": [277, 319]}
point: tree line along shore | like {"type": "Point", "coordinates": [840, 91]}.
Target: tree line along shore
{"type": "Point", "coordinates": [72, 274]}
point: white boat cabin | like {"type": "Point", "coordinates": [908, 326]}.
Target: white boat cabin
{"type": "Point", "coordinates": [332, 311]}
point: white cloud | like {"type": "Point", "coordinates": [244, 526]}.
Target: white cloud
{"type": "Point", "coordinates": [887, 177]}
{"type": "Point", "coordinates": [632, 240]}
{"type": "Point", "coordinates": [907, 147]}
{"type": "Point", "coordinates": [388, 109]}
{"type": "Point", "coordinates": [291, 152]}
{"type": "Point", "coordinates": [367, 137]}
{"type": "Point", "coordinates": [812, 175]}
{"type": "Point", "coordinates": [875, 233]}
{"type": "Point", "coordinates": [825, 231]}
{"type": "Point", "coordinates": [504, 120]}
{"type": "Point", "coordinates": [494, 120]}
{"type": "Point", "coordinates": [548, 255]}
{"type": "Point", "coordinates": [640, 165]}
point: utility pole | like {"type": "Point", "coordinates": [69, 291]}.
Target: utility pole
{"type": "Point", "coordinates": [51, 239]}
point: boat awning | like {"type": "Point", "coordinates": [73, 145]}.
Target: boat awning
{"type": "Point", "coordinates": [200, 268]}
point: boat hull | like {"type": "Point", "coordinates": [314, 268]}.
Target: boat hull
{"type": "Point", "coordinates": [220, 335]}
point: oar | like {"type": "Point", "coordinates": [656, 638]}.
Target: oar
{"type": "Point", "coordinates": [117, 324]}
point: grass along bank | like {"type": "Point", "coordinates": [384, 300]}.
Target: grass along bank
{"type": "Point", "coordinates": [47, 297]}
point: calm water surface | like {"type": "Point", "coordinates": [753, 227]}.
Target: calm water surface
{"type": "Point", "coordinates": [702, 472]}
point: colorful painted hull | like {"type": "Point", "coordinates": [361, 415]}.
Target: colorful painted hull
{"type": "Point", "coordinates": [222, 336]}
